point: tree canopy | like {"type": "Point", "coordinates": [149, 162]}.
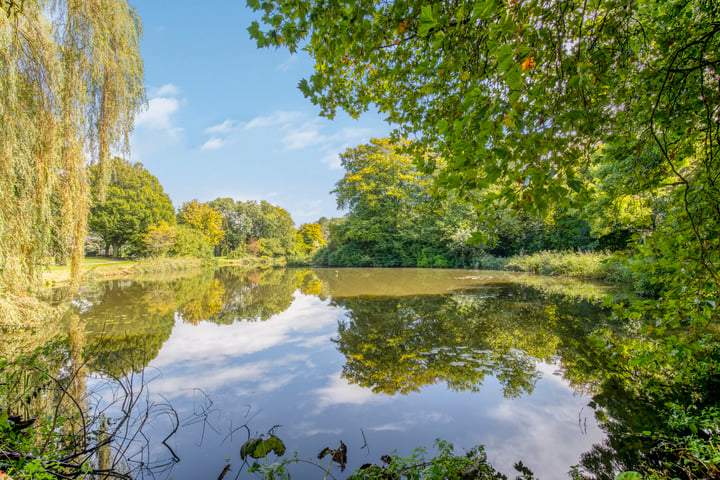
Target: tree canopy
{"type": "Point", "coordinates": [202, 217]}
{"type": "Point", "coordinates": [394, 218]}
{"type": "Point", "coordinates": [535, 104]}
{"type": "Point", "coordinates": [256, 227]}
{"type": "Point", "coordinates": [135, 201]}
{"type": "Point", "coordinates": [71, 84]}
{"type": "Point", "coordinates": [519, 95]}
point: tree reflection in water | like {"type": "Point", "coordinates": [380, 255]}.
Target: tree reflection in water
{"type": "Point", "coordinates": [400, 344]}
{"type": "Point", "coordinates": [450, 328]}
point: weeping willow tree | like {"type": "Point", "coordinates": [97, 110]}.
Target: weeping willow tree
{"type": "Point", "coordinates": [70, 86]}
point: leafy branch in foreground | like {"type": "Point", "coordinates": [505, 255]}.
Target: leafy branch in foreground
{"type": "Point", "coordinates": [444, 465]}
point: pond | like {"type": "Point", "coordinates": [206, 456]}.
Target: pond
{"type": "Point", "coordinates": [382, 360]}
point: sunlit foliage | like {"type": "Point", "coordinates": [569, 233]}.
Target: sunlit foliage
{"type": "Point", "coordinates": [257, 228]}
{"type": "Point", "coordinates": [71, 83]}
{"type": "Point", "coordinates": [134, 202]}
{"type": "Point", "coordinates": [204, 218]}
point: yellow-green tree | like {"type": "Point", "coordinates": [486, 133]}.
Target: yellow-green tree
{"type": "Point", "coordinates": [310, 237]}
{"type": "Point", "coordinates": [71, 84]}
{"type": "Point", "coordinates": [204, 218]}
{"type": "Point", "coordinates": [159, 239]}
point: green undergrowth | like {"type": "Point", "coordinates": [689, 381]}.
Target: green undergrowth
{"type": "Point", "coordinates": [251, 261]}
{"type": "Point", "coordinates": [587, 265]}
{"type": "Point", "coordinates": [443, 463]}
{"type": "Point", "coordinates": [168, 264]}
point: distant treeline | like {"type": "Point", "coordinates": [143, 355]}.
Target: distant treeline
{"type": "Point", "coordinates": [396, 218]}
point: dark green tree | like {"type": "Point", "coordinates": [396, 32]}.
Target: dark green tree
{"type": "Point", "coordinates": [393, 217]}
{"type": "Point", "coordinates": [135, 201]}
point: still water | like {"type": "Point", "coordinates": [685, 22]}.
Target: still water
{"type": "Point", "coordinates": [384, 360]}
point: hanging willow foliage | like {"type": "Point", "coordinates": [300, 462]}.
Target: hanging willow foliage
{"type": "Point", "coordinates": [70, 86]}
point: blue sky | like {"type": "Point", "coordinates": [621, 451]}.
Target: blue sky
{"type": "Point", "coordinates": [225, 119]}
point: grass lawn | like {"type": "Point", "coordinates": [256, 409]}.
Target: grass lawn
{"type": "Point", "coordinates": [92, 262]}
{"type": "Point", "coordinates": [60, 274]}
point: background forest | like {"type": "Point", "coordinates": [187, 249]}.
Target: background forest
{"type": "Point", "coordinates": [396, 217]}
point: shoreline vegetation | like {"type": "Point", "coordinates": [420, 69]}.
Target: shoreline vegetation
{"type": "Point", "coordinates": [594, 266]}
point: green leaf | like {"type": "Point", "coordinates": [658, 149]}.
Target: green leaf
{"type": "Point", "coordinates": [505, 58]}
{"type": "Point", "coordinates": [249, 447]}
{"type": "Point", "coordinates": [426, 15]}
{"type": "Point", "coordinates": [628, 476]}
{"type": "Point", "coordinates": [259, 447]}
{"type": "Point", "coordinates": [514, 78]}
{"type": "Point", "coordinates": [575, 184]}
{"type": "Point", "coordinates": [254, 30]}
{"type": "Point", "coordinates": [483, 9]}
{"type": "Point", "coordinates": [427, 21]}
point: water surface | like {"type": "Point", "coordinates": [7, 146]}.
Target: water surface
{"type": "Point", "coordinates": [384, 360]}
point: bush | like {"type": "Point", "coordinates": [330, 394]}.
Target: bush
{"type": "Point", "coordinates": [190, 242]}
{"type": "Point", "coordinates": [167, 264]}
{"type": "Point", "coordinates": [601, 266]}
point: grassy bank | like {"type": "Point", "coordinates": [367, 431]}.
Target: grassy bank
{"type": "Point", "coordinates": [601, 266]}
{"type": "Point", "coordinates": [106, 268]}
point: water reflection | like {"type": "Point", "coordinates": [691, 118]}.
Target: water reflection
{"type": "Point", "coordinates": [479, 348]}
{"type": "Point", "coordinates": [402, 329]}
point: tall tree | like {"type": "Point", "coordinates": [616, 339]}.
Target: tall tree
{"type": "Point", "coordinates": [261, 227]}
{"type": "Point", "coordinates": [204, 218]}
{"type": "Point", "coordinates": [135, 201]}
{"type": "Point", "coordinates": [310, 237]}
{"type": "Point", "coordinates": [71, 84]}
{"type": "Point", "coordinates": [527, 98]}
{"type": "Point", "coordinates": [393, 218]}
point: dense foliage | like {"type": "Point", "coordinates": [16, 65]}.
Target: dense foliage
{"type": "Point", "coordinates": [134, 202]}
{"type": "Point", "coordinates": [606, 105]}
{"type": "Point", "coordinates": [256, 228]}
{"type": "Point", "coordinates": [71, 84]}
{"type": "Point", "coordinates": [204, 218]}
{"type": "Point", "coordinates": [395, 218]}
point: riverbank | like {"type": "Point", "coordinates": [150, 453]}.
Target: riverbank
{"type": "Point", "coordinates": [605, 267]}
{"type": "Point", "coordinates": [599, 266]}
{"type": "Point", "coordinates": [108, 268]}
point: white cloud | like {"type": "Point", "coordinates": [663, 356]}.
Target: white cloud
{"type": "Point", "coordinates": [409, 421]}
{"type": "Point", "coordinates": [213, 144]}
{"type": "Point", "coordinates": [167, 90]}
{"type": "Point", "coordinates": [332, 160]}
{"type": "Point", "coordinates": [282, 118]}
{"type": "Point", "coordinates": [258, 377]}
{"type": "Point", "coordinates": [304, 137]}
{"type": "Point", "coordinates": [160, 111]}
{"type": "Point", "coordinates": [209, 344]}
{"type": "Point", "coordinates": [158, 115]}
{"type": "Point", "coordinates": [353, 135]}
{"type": "Point", "coordinates": [287, 64]}
{"type": "Point", "coordinates": [224, 127]}
{"type": "Point", "coordinates": [339, 391]}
